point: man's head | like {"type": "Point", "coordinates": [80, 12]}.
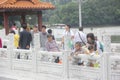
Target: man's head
{"type": "Point", "coordinates": [81, 29]}
{"type": "Point", "coordinates": [24, 25]}
{"type": "Point", "coordinates": [43, 28]}
{"type": "Point", "coordinates": [35, 28]}
{"type": "Point", "coordinates": [49, 31]}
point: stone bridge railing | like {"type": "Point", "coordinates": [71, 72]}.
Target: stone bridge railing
{"type": "Point", "coordinates": [34, 64]}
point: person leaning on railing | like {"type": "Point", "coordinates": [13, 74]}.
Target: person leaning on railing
{"type": "Point", "coordinates": [74, 55]}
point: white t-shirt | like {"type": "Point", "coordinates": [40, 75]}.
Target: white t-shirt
{"type": "Point", "coordinates": [68, 33]}
{"type": "Point", "coordinates": [82, 35]}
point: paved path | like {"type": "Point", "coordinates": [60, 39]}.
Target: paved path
{"type": "Point", "coordinates": [4, 78]}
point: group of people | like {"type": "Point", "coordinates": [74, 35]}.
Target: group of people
{"type": "Point", "coordinates": [25, 39]}
{"type": "Point", "coordinates": [81, 43]}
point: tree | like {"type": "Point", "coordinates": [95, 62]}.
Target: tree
{"type": "Point", "coordinates": [94, 13]}
{"type": "Point", "coordinates": [97, 12]}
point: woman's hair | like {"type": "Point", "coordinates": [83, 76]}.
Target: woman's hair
{"type": "Point", "coordinates": [91, 35]}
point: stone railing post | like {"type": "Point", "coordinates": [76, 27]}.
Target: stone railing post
{"type": "Point", "coordinates": [67, 49]}
{"type": "Point", "coordinates": [66, 65]}
{"type": "Point", "coordinates": [104, 66]}
{"type": "Point", "coordinates": [67, 43]}
{"type": "Point", "coordinates": [35, 50]}
{"type": "Point", "coordinates": [10, 48]}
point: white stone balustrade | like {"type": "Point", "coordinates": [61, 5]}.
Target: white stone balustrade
{"type": "Point", "coordinates": [32, 65]}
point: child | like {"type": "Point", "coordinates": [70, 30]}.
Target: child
{"type": "Point", "coordinates": [92, 60]}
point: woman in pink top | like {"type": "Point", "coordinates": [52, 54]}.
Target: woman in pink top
{"type": "Point", "coordinates": [51, 44]}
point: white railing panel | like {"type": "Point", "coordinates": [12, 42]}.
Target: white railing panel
{"type": "Point", "coordinates": [114, 67]}
{"type": "Point", "coordinates": [46, 63]}
{"type": "Point", "coordinates": [4, 58]}
{"type": "Point", "coordinates": [22, 60]}
{"type": "Point", "coordinates": [86, 72]}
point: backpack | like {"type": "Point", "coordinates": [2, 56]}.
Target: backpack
{"type": "Point", "coordinates": [101, 46]}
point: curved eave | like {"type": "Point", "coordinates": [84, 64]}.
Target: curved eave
{"type": "Point", "coordinates": [27, 5]}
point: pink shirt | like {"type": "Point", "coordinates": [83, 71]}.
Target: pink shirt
{"type": "Point", "coordinates": [52, 46]}
{"type": "Point", "coordinates": [0, 43]}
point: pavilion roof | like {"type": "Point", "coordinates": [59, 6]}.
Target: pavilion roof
{"type": "Point", "coordinates": [25, 4]}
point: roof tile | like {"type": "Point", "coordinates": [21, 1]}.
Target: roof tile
{"type": "Point", "coordinates": [25, 4]}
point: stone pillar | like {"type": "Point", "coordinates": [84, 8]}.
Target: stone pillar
{"type": "Point", "coordinates": [6, 21]}
{"type": "Point", "coordinates": [36, 41]}
{"type": "Point", "coordinates": [23, 19]}
{"type": "Point", "coordinates": [67, 43]}
{"type": "Point", "coordinates": [66, 66]}
{"type": "Point", "coordinates": [39, 20]}
{"type": "Point", "coordinates": [10, 49]}
{"type": "Point", "coordinates": [35, 50]}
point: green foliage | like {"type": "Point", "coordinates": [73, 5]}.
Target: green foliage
{"type": "Point", "coordinates": [1, 26]}
{"type": "Point", "coordinates": [94, 13]}
{"type": "Point", "coordinates": [66, 14]}
{"type": "Point", "coordinates": [97, 12]}
{"type": "Point", "coordinates": [69, 14]}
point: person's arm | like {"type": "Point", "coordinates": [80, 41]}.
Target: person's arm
{"type": "Point", "coordinates": [29, 40]}
{"type": "Point", "coordinates": [62, 41]}
{"type": "Point", "coordinates": [57, 46]}
{"type": "Point", "coordinates": [72, 35]}
{"type": "Point", "coordinates": [20, 40]}
{"type": "Point", "coordinates": [47, 46]}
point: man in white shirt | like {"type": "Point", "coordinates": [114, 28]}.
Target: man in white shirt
{"type": "Point", "coordinates": [80, 36]}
